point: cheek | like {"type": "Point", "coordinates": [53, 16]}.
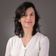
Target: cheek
{"type": "Point", "coordinates": [21, 20]}
{"type": "Point", "coordinates": [33, 19]}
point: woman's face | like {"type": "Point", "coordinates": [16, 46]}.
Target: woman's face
{"type": "Point", "coordinates": [28, 20]}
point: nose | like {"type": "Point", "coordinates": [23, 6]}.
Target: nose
{"type": "Point", "coordinates": [28, 17]}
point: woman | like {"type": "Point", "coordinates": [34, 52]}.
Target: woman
{"type": "Point", "coordinates": [28, 40]}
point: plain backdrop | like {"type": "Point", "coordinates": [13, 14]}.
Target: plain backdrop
{"type": "Point", "coordinates": [47, 12]}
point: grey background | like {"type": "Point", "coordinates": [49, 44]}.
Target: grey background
{"type": "Point", "coordinates": [47, 12]}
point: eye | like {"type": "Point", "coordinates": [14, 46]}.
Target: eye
{"type": "Point", "coordinates": [25, 15]}
{"type": "Point", "coordinates": [32, 14]}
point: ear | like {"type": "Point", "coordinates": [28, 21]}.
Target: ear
{"type": "Point", "coordinates": [19, 20]}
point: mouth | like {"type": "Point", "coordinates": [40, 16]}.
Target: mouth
{"type": "Point", "coordinates": [28, 22]}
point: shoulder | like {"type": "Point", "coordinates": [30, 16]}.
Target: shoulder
{"type": "Point", "coordinates": [12, 40]}
{"type": "Point", "coordinates": [42, 37]}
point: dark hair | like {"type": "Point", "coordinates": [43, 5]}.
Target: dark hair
{"type": "Point", "coordinates": [20, 11]}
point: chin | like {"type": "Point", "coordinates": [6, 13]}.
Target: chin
{"type": "Point", "coordinates": [28, 26]}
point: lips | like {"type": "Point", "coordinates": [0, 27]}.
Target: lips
{"type": "Point", "coordinates": [28, 22]}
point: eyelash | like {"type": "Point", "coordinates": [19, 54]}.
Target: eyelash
{"type": "Point", "coordinates": [30, 15]}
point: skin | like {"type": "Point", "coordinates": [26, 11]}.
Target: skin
{"type": "Point", "coordinates": [27, 23]}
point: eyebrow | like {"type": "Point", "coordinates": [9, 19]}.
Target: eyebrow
{"type": "Point", "coordinates": [32, 12]}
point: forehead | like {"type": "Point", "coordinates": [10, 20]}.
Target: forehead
{"type": "Point", "coordinates": [30, 10]}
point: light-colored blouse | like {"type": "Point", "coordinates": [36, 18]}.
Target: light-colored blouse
{"type": "Point", "coordinates": [37, 46]}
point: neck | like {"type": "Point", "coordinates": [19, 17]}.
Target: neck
{"type": "Point", "coordinates": [27, 33]}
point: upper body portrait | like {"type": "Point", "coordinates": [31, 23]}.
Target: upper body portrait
{"type": "Point", "coordinates": [28, 40]}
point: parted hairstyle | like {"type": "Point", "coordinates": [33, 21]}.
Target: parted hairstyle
{"type": "Point", "coordinates": [20, 11]}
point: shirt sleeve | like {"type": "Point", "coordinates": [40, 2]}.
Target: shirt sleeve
{"type": "Point", "coordinates": [8, 47]}
{"type": "Point", "coordinates": [44, 47]}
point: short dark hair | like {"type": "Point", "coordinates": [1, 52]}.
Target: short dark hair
{"type": "Point", "coordinates": [20, 11]}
